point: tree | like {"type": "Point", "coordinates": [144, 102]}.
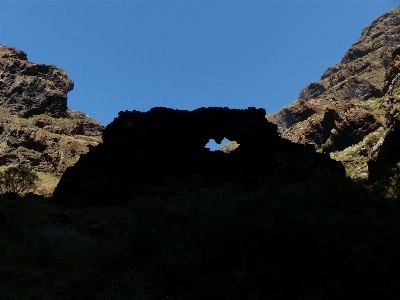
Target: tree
{"type": "Point", "coordinates": [18, 180]}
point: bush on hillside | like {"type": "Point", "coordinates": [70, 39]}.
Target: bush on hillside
{"type": "Point", "coordinates": [19, 180]}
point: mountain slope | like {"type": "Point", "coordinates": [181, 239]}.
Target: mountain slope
{"type": "Point", "coordinates": [37, 129]}
{"type": "Point", "coordinates": [349, 111]}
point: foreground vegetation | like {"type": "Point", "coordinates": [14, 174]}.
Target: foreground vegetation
{"type": "Point", "coordinates": [18, 180]}
{"type": "Point", "coordinates": [326, 238]}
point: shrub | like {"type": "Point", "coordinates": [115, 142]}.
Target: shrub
{"type": "Point", "coordinates": [19, 180]}
{"type": "Point", "coordinates": [388, 182]}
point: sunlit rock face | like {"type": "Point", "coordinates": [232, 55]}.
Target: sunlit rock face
{"type": "Point", "coordinates": [349, 111]}
{"type": "Point", "coordinates": [28, 89]}
{"type": "Point", "coordinates": [145, 147]}
{"type": "Point", "coordinates": [37, 129]}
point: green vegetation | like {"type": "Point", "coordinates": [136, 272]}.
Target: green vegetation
{"type": "Point", "coordinates": [325, 238]}
{"type": "Point", "coordinates": [18, 180]}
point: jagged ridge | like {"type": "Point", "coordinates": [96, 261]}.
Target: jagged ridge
{"type": "Point", "coordinates": [348, 112]}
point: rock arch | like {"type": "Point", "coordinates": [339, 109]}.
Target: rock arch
{"type": "Point", "coordinates": [145, 147]}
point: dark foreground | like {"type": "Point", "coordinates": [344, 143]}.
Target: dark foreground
{"type": "Point", "coordinates": [326, 238]}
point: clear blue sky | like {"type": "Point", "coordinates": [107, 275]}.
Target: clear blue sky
{"type": "Point", "coordinates": [125, 55]}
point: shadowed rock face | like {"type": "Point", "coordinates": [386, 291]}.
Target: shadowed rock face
{"type": "Point", "coordinates": [349, 111]}
{"type": "Point", "coordinates": [145, 147]}
{"type": "Point", "coordinates": [388, 156]}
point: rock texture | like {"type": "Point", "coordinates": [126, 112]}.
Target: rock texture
{"type": "Point", "coordinates": [142, 148]}
{"type": "Point", "coordinates": [356, 102]}
{"type": "Point", "coordinates": [28, 89]}
{"type": "Point", "coordinates": [37, 129]}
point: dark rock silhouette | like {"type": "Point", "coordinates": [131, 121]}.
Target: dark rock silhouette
{"type": "Point", "coordinates": [388, 156]}
{"type": "Point", "coordinates": [98, 227]}
{"type": "Point", "coordinates": [145, 147]}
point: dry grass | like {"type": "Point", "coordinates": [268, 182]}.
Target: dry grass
{"type": "Point", "coordinates": [47, 184]}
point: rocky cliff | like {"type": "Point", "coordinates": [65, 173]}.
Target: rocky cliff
{"type": "Point", "coordinates": [350, 110]}
{"type": "Point", "coordinates": [143, 148]}
{"type": "Point", "coordinates": [37, 129]}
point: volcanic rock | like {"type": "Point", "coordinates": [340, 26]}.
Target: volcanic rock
{"type": "Point", "coordinates": [28, 89]}
{"type": "Point", "coordinates": [37, 129]}
{"type": "Point", "coordinates": [142, 148]}
{"type": "Point", "coordinates": [349, 111]}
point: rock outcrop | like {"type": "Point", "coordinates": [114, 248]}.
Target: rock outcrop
{"type": "Point", "coordinates": [37, 129]}
{"type": "Point", "coordinates": [142, 148]}
{"type": "Point", "coordinates": [28, 89]}
{"type": "Point", "coordinates": [349, 111]}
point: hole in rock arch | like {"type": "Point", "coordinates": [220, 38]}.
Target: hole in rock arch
{"type": "Point", "coordinates": [213, 146]}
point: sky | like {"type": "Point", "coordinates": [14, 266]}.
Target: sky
{"type": "Point", "coordinates": [135, 55]}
